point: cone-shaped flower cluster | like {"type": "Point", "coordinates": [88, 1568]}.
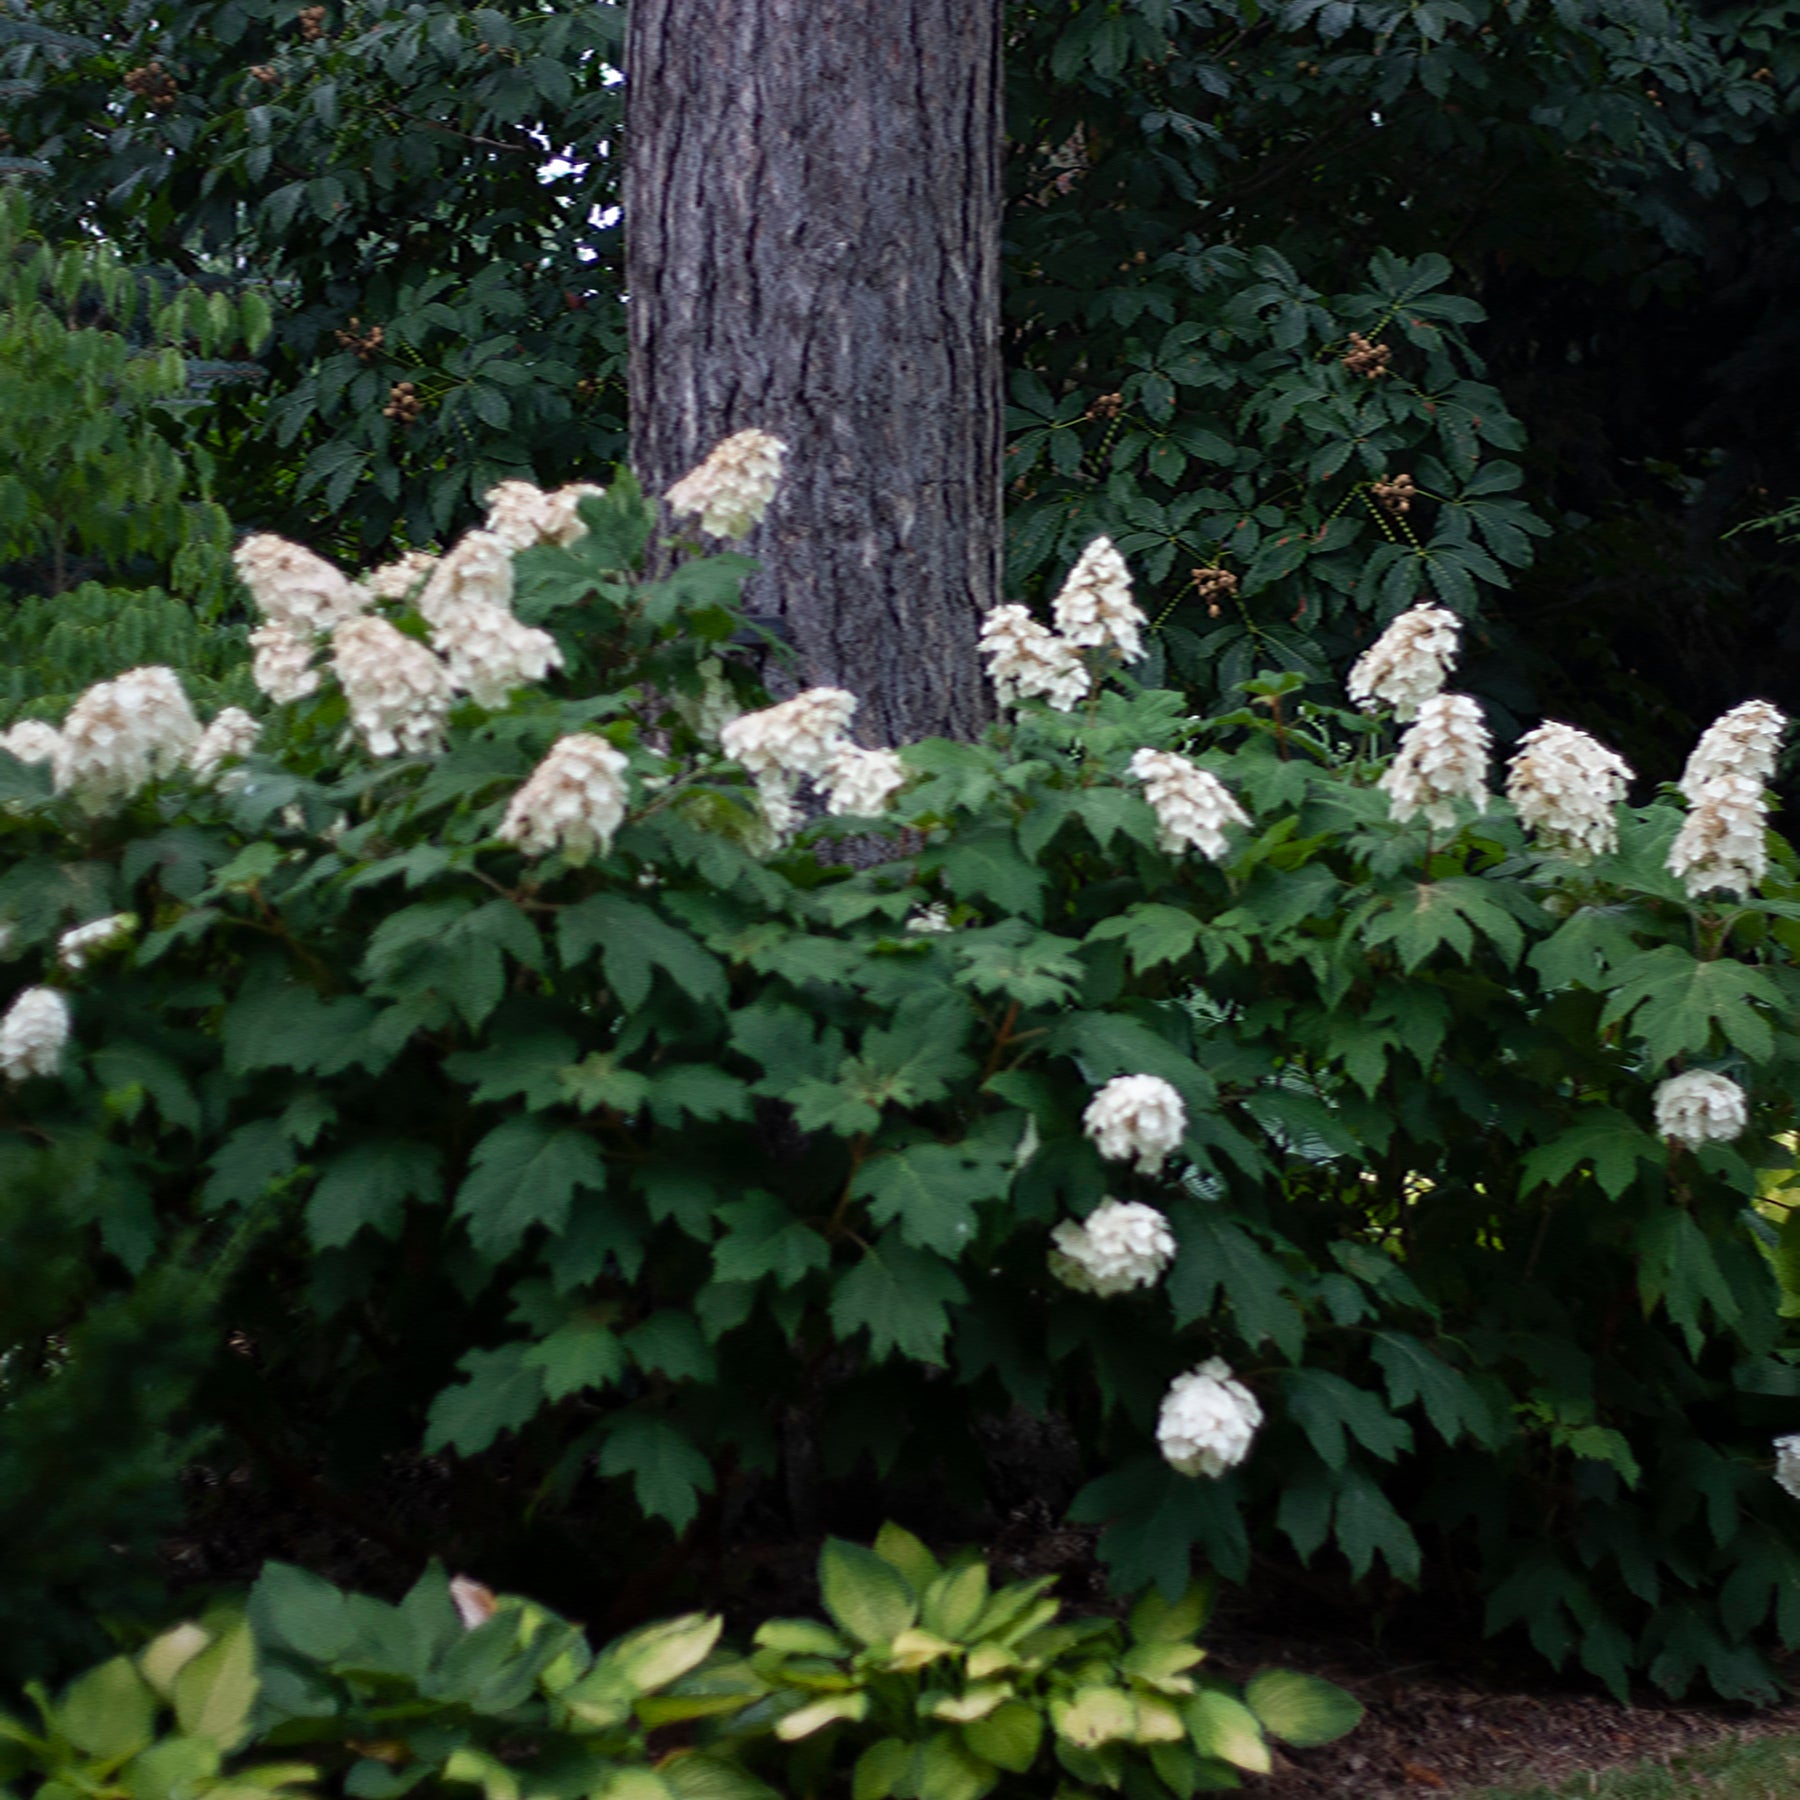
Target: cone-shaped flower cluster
{"type": "Point", "coordinates": [574, 801]}
{"type": "Point", "coordinates": [1139, 1116]}
{"type": "Point", "coordinates": [860, 783]}
{"type": "Point", "coordinates": [76, 948]}
{"type": "Point", "coordinates": [293, 586]}
{"type": "Point", "coordinates": [33, 1033]}
{"type": "Point", "coordinates": [122, 734]}
{"type": "Point", "coordinates": [521, 514]}
{"type": "Point", "coordinates": [1192, 805]}
{"type": "Point", "coordinates": [1208, 1420]}
{"type": "Point", "coordinates": [397, 580]}
{"type": "Point", "coordinates": [1442, 759]}
{"type": "Point", "coordinates": [1121, 1244]}
{"type": "Point", "coordinates": [31, 741]}
{"type": "Point", "coordinates": [796, 739]}
{"type": "Point", "coordinates": [1566, 787]}
{"type": "Point", "coordinates": [232, 733]}
{"type": "Point", "coordinates": [1028, 661]}
{"type": "Point", "coordinates": [1700, 1107]}
{"type": "Point", "coordinates": [1095, 606]}
{"type": "Point", "coordinates": [281, 662]}
{"type": "Point", "coordinates": [1408, 663]}
{"type": "Point", "coordinates": [467, 602]}
{"type": "Point", "coordinates": [1721, 844]}
{"type": "Point", "coordinates": [399, 693]}
{"type": "Point", "coordinates": [731, 490]}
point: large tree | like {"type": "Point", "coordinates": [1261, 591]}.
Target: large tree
{"type": "Point", "coordinates": [813, 204]}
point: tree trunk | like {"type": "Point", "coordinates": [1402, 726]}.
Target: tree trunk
{"type": "Point", "coordinates": [813, 225]}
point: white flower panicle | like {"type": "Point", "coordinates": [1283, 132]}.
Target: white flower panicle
{"type": "Point", "coordinates": [397, 580]}
{"type": "Point", "coordinates": [1408, 663]}
{"type": "Point", "coordinates": [1742, 743]}
{"type": "Point", "coordinates": [1192, 805]}
{"type": "Point", "coordinates": [76, 948]}
{"type": "Point", "coordinates": [930, 921]}
{"type": "Point", "coordinates": [1121, 1244]}
{"type": "Point", "coordinates": [860, 783]}
{"type": "Point", "coordinates": [1208, 1421]}
{"type": "Point", "coordinates": [294, 587]}
{"type": "Point", "coordinates": [477, 570]}
{"type": "Point", "coordinates": [1442, 758]}
{"type": "Point", "coordinates": [731, 490]}
{"type": "Point", "coordinates": [122, 734]}
{"type": "Point", "coordinates": [1095, 605]}
{"type": "Point", "coordinates": [399, 693]}
{"type": "Point", "coordinates": [1138, 1116]}
{"type": "Point", "coordinates": [1787, 1464]}
{"type": "Point", "coordinates": [490, 652]}
{"type": "Point", "coordinates": [798, 737]}
{"type": "Point", "coordinates": [1700, 1107]}
{"type": "Point", "coordinates": [1027, 660]}
{"type": "Point", "coordinates": [1566, 787]}
{"type": "Point", "coordinates": [574, 800]}
{"type": "Point", "coordinates": [33, 1033]}
{"type": "Point", "coordinates": [282, 662]}
{"type": "Point", "coordinates": [522, 514]}
{"type": "Point", "coordinates": [232, 733]}
{"type": "Point", "coordinates": [31, 741]}
{"type": "Point", "coordinates": [1721, 843]}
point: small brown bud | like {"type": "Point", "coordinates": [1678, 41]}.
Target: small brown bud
{"type": "Point", "coordinates": [1107, 406]}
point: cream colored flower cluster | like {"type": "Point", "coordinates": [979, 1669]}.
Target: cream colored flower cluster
{"type": "Point", "coordinates": [467, 602]}
{"type": "Point", "coordinates": [1120, 1245]}
{"type": "Point", "coordinates": [1722, 843]}
{"type": "Point", "coordinates": [1192, 805]}
{"type": "Point", "coordinates": [574, 800]}
{"type": "Point", "coordinates": [521, 514]}
{"type": "Point", "coordinates": [1442, 759]}
{"type": "Point", "coordinates": [31, 741]}
{"type": "Point", "coordinates": [1139, 1116]}
{"type": "Point", "coordinates": [399, 580]}
{"type": "Point", "coordinates": [1208, 1421]}
{"type": "Point", "coordinates": [1408, 663]}
{"type": "Point", "coordinates": [122, 734]}
{"type": "Point", "coordinates": [730, 491]}
{"type": "Point", "coordinates": [33, 1033]}
{"type": "Point", "coordinates": [1566, 787]}
{"type": "Point", "coordinates": [1700, 1107]}
{"type": "Point", "coordinates": [301, 597]}
{"type": "Point", "coordinates": [859, 783]}
{"type": "Point", "coordinates": [807, 738]}
{"type": "Point", "coordinates": [1094, 610]}
{"type": "Point", "coordinates": [232, 733]}
{"type": "Point", "coordinates": [76, 948]}
{"type": "Point", "coordinates": [399, 693]}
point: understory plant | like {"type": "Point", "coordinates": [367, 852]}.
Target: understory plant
{"type": "Point", "coordinates": [551, 1055]}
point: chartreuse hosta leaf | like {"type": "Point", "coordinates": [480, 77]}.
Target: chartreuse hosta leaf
{"type": "Point", "coordinates": [1301, 1709]}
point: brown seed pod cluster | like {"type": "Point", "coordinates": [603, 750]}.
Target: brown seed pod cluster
{"type": "Point", "coordinates": [1365, 359]}
{"type": "Point", "coordinates": [404, 404]}
{"type": "Point", "coordinates": [1214, 585]}
{"type": "Point", "coordinates": [363, 343]}
{"type": "Point", "coordinates": [312, 23]}
{"type": "Point", "coordinates": [154, 85]}
{"type": "Point", "coordinates": [1108, 407]}
{"type": "Point", "coordinates": [1396, 494]}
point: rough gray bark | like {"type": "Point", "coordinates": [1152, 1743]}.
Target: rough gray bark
{"type": "Point", "coordinates": [812, 211]}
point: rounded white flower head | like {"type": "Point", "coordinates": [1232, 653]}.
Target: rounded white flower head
{"type": "Point", "coordinates": [1208, 1420]}
{"type": "Point", "coordinates": [477, 570]}
{"type": "Point", "coordinates": [491, 653]}
{"type": "Point", "coordinates": [1787, 1464]}
{"type": "Point", "coordinates": [1095, 605]}
{"type": "Point", "coordinates": [798, 737]}
{"type": "Point", "coordinates": [1700, 1107]}
{"type": "Point", "coordinates": [1442, 758]}
{"type": "Point", "coordinates": [77, 947]}
{"type": "Point", "coordinates": [397, 580]}
{"type": "Point", "coordinates": [731, 490]}
{"type": "Point", "coordinates": [399, 693]}
{"type": "Point", "coordinates": [1192, 805]}
{"type": "Point", "coordinates": [1138, 1116]}
{"type": "Point", "coordinates": [860, 783]}
{"type": "Point", "coordinates": [282, 663]}
{"type": "Point", "coordinates": [1408, 663]}
{"type": "Point", "coordinates": [121, 735]}
{"type": "Point", "coordinates": [574, 800]}
{"type": "Point", "coordinates": [515, 513]}
{"type": "Point", "coordinates": [1741, 743]}
{"type": "Point", "coordinates": [232, 733]}
{"type": "Point", "coordinates": [1027, 660]}
{"type": "Point", "coordinates": [1121, 1244]}
{"type": "Point", "coordinates": [1721, 843]}
{"type": "Point", "coordinates": [293, 587]}
{"type": "Point", "coordinates": [31, 741]}
{"type": "Point", "coordinates": [33, 1033]}
{"type": "Point", "coordinates": [1566, 786]}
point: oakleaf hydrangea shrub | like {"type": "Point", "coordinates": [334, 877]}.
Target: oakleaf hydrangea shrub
{"type": "Point", "coordinates": [1358, 1160]}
